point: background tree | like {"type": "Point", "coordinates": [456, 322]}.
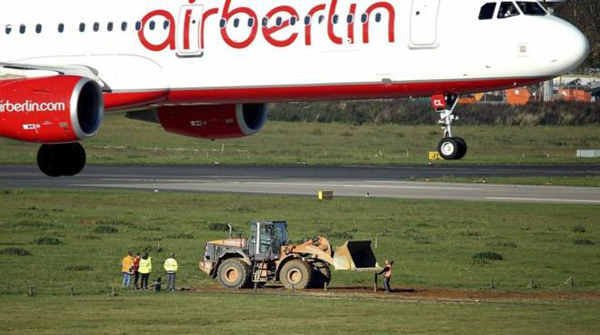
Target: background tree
{"type": "Point", "coordinates": [585, 14]}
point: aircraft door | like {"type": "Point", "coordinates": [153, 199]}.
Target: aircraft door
{"type": "Point", "coordinates": [423, 23]}
{"type": "Point", "coordinates": [188, 31]}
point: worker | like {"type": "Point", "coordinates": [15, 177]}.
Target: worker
{"type": "Point", "coordinates": [145, 269]}
{"type": "Point", "coordinates": [136, 272]}
{"type": "Point", "coordinates": [387, 275]}
{"type": "Point", "coordinates": [171, 268]}
{"type": "Point", "coordinates": [126, 266]}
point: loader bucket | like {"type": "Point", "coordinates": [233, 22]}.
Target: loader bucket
{"type": "Point", "coordinates": [355, 256]}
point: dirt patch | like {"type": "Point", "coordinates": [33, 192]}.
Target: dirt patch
{"type": "Point", "coordinates": [421, 293]}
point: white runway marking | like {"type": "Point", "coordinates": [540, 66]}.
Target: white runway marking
{"type": "Point", "coordinates": [544, 200]}
{"type": "Point", "coordinates": [326, 184]}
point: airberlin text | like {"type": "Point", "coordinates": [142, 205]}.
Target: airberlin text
{"type": "Point", "coordinates": [277, 31]}
{"type": "Point", "coordinates": [29, 106]}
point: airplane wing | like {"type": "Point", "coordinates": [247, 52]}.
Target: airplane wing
{"type": "Point", "coordinates": [21, 70]}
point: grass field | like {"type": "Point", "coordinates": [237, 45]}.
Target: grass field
{"type": "Point", "coordinates": [220, 313]}
{"type": "Point", "coordinates": [432, 241]}
{"type": "Point", "coordinates": [77, 238]}
{"type": "Point", "coordinates": [124, 141]}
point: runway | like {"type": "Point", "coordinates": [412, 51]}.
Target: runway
{"type": "Point", "coordinates": [382, 182]}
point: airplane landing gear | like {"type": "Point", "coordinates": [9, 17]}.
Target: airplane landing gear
{"type": "Point", "coordinates": [450, 148]}
{"type": "Point", "coordinates": [56, 160]}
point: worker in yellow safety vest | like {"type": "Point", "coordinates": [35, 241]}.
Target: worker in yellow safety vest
{"type": "Point", "coordinates": [145, 269]}
{"type": "Point", "coordinates": [171, 268]}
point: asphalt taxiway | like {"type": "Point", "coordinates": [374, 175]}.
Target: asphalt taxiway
{"type": "Point", "coordinates": [385, 182]}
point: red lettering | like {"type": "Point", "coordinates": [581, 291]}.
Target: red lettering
{"type": "Point", "coordinates": [392, 16]}
{"type": "Point", "coordinates": [206, 14]}
{"type": "Point", "coordinates": [186, 32]}
{"type": "Point", "coordinates": [330, 30]}
{"type": "Point", "coordinates": [311, 14]}
{"type": "Point", "coordinates": [228, 15]}
{"type": "Point", "coordinates": [268, 31]}
{"type": "Point", "coordinates": [169, 41]}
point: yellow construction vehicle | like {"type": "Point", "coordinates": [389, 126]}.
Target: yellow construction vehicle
{"type": "Point", "coordinates": [269, 256]}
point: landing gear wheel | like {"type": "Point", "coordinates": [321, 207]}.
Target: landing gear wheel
{"type": "Point", "coordinates": [48, 161]}
{"type": "Point", "coordinates": [321, 274]}
{"type": "Point", "coordinates": [449, 148]}
{"type": "Point", "coordinates": [234, 274]}
{"type": "Point", "coordinates": [61, 159]}
{"type": "Point", "coordinates": [296, 274]}
{"type": "Point", "coordinates": [462, 146]}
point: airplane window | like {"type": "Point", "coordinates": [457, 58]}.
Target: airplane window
{"type": "Point", "coordinates": [250, 22]}
{"type": "Point", "coordinates": [265, 21]}
{"type": "Point", "coordinates": [138, 26]}
{"type": "Point", "coordinates": [293, 20]}
{"type": "Point", "coordinates": [124, 26]}
{"type": "Point", "coordinates": [96, 26]}
{"type": "Point", "coordinates": [110, 26]}
{"type": "Point", "coordinates": [364, 18]}
{"type": "Point", "coordinates": [166, 25]}
{"type": "Point", "coordinates": [321, 19]}
{"type": "Point", "coordinates": [222, 23]}
{"type": "Point", "coordinates": [152, 25]}
{"type": "Point", "coordinates": [61, 28]}
{"type": "Point", "coordinates": [531, 8]}
{"type": "Point", "coordinates": [38, 28]}
{"type": "Point", "coordinates": [279, 21]}
{"type": "Point", "coordinates": [8, 29]}
{"type": "Point", "coordinates": [378, 17]}
{"type": "Point", "coordinates": [335, 19]}
{"type": "Point", "coordinates": [350, 18]}
{"type": "Point", "coordinates": [236, 23]}
{"type": "Point", "coordinates": [82, 27]}
{"type": "Point", "coordinates": [22, 29]}
{"type": "Point", "coordinates": [487, 11]}
{"type": "Point", "coordinates": [507, 9]}
{"type": "Point", "coordinates": [307, 20]}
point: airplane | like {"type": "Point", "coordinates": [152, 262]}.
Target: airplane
{"type": "Point", "coordinates": [207, 69]}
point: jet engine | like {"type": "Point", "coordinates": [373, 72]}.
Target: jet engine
{"type": "Point", "coordinates": [50, 110]}
{"type": "Point", "coordinates": [213, 121]}
{"type": "Point", "coordinates": [57, 111]}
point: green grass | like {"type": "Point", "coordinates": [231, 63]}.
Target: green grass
{"type": "Point", "coordinates": [124, 141]}
{"type": "Point", "coordinates": [220, 313]}
{"type": "Point", "coordinates": [432, 242]}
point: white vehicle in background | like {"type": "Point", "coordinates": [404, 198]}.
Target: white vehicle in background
{"type": "Point", "coordinates": [207, 68]}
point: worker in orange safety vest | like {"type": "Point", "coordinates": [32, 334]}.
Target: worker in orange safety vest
{"type": "Point", "coordinates": [126, 266]}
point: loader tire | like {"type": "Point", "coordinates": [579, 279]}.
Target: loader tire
{"type": "Point", "coordinates": [296, 274]}
{"type": "Point", "coordinates": [234, 274]}
{"type": "Point", "coordinates": [321, 274]}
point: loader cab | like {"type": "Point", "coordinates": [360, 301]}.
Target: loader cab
{"type": "Point", "coordinates": [266, 239]}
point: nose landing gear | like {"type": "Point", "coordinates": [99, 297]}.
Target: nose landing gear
{"type": "Point", "coordinates": [450, 148]}
{"type": "Point", "coordinates": [56, 160]}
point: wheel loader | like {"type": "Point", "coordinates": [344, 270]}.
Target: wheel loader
{"type": "Point", "coordinates": [268, 256]}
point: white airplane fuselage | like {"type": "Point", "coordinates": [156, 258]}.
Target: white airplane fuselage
{"type": "Point", "coordinates": [206, 69]}
{"type": "Point", "coordinates": [240, 51]}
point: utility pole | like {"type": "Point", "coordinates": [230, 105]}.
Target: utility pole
{"type": "Point", "coordinates": [549, 85]}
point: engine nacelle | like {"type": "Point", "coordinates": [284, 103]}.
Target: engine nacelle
{"type": "Point", "coordinates": [58, 109]}
{"type": "Point", "coordinates": [213, 121]}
